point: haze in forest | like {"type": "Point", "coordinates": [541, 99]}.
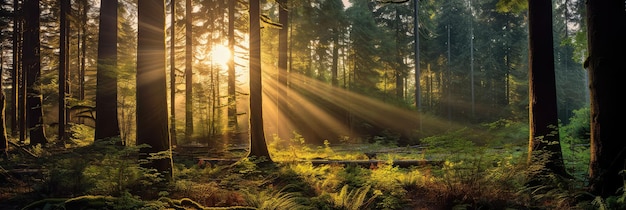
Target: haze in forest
{"type": "Point", "coordinates": [331, 104]}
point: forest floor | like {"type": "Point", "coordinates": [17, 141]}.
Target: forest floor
{"type": "Point", "coordinates": [351, 176]}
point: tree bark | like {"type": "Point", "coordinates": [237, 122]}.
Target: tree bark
{"type": "Point", "coordinates": [544, 133]}
{"type": "Point", "coordinates": [605, 32]}
{"type": "Point", "coordinates": [32, 68]}
{"type": "Point", "coordinates": [173, 72]}
{"type": "Point", "coordinates": [4, 139]}
{"type": "Point", "coordinates": [283, 35]}
{"type": "Point", "coordinates": [152, 119]}
{"type": "Point", "coordinates": [232, 94]}
{"type": "Point", "coordinates": [258, 146]}
{"type": "Point", "coordinates": [63, 68]}
{"type": "Point", "coordinates": [188, 70]}
{"type": "Point", "coordinates": [107, 125]}
{"type": "Point", "coordinates": [15, 72]}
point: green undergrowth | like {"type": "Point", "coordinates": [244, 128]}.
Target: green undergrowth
{"type": "Point", "coordinates": [479, 171]}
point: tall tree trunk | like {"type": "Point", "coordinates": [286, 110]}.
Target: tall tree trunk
{"type": "Point", "coordinates": [448, 81]}
{"type": "Point", "coordinates": [334, 78]}
{"type": "Point", "coordinates": [544, 133]}
{"type": "Point", "coordinates": [32, 67]}
{"type": "Point", "coordinates": [173, 72]}
{"type": "Point", "coordinates": [283, 35]}
{"type": "Point", "coordinates": [258, 146]}
{"type": "Point", "coordinates": [4, 139]}
{"type": "Point", "coordinates": [232, 94]}
{"type": "Point", "coordinates": [399, 72]}
{"type": "Point", "coordinates": [15, 72]}
{"type": "Point", "coordinates": [107, 125]}
{"type": "Point", "coordinates": [605, 31]}
{"type": "Point", "coordinates": [473, 96]}
{"type": "Point", "coordinates": [418, 90]}
{"type": "Point", "coordinates": [152, 119]}
{"type": "Point", "coordinates": [83, 45]}
{"type": "Point", "coordinates": [188, 70]}
{"type": "Point", "coordinates": [83, 52]}
{"type": "Point", "coordinates": [63, 68]}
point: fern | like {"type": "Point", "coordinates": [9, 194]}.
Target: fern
{"type": "Point", "coordinates": [270, 199]}
{"type": "Point", "coordinates": [354, 199]}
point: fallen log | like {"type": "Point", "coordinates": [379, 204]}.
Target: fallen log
{"type": "Point", "coordinates": [317, 162]}
{"type": "Point", "coordinates": [374, 163]}
{"type": "Point", "coordinates": [23, 150]}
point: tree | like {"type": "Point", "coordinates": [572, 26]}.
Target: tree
{"type": "Point", "coordinates": [64, 43]}
{"type": "Point", "coordinates": [334, 9]}
{"type": "Point", "coordinates": [19, 62]}
{"type": "Point", "coordinates": [606, 44]}
{"type": "Point", "coordinates": [188, 70]}
{"type": "Point", "coordinates": [82, 36]}
{"type": "Point", "coordinates": [544, 134]}
{"type": "Point", "coordinates": [232, 94]}
{"type": "Point", "coordinates": [416, 51]}
{"type": "Point", "coordinates": [32, 68]}
{"type": "Point", "coordinates": [152, 119]}
{"type": "Point", "coordinates": [392, 16]}
{"type": "Point", "coordinates": [4, 139]}
{"type": "Point", "coordinates": [173, 71]}
{"type": "Point", "coordinates": [15, 73]}
{"type": "Point", "coordinates": [107, 124]}
{"type": "Point", "coordinates": [258, 145]}
{"type": "Point", "coordinates": [283, 38]}
{"type": "Point", "coordinates": [364, 36]}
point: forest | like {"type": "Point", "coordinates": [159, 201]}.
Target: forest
{"type": "Point", "coordinates": [311, 104]}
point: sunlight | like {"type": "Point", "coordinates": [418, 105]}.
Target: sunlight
{"type": "Point", "coordinates": [220, 55]}
{"type": "Point", "coordinates": [314, 106]}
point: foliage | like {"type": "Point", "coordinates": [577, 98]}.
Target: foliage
{"type": "Point", "coordinates": [298, 149]}
{"type": "Point", "coordinates": [505, 131]}
{"type": "Point", "coordinates": [115, 173]}
{"type": "Point", "coordinates": [274, 199]}
{"type": "Point", "coordinates": [554, 192]}
{"type": "Point", "coordinates": [125, 202]}
{"type": "Point", "coordinates": [575, 145]}
{"type": "Point", "coordinates": [577, 131]}
{"type": "Point", "coordinates": [512, 5]}
{"type": "Point", "coordinates": [354, 199]}
{"type": "Point", "coordinates": [612, 202]}
{"type": "Point", "coordinates": [385, 178]}
{"type": "Point", "coordinates": [81, 135]}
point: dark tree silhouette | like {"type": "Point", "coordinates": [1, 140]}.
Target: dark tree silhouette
{"type": "Point", "coordinates": [15, 81]}
{"type": "Point", "coordinates": [64, 43]}
{"type": "Point", "coordinates": [107, 124]}
{"type": "Point", "coordinates": [605, 36]}
{"type": "Point", "coordinates": [544, 134]}
{"type": "Point", "coordinates": [4, 139]}
{"type": "Point", "coordinates": [152, 119]}
{"type": "Point", "coordinates": [32, 68]}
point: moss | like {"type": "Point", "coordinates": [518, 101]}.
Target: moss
{"type": "Point", "coordinates": [50, 203]}
{"type": "Point", "coordinates": [89, 202]}
{"type": "Point", "coordinates": [186, 203]}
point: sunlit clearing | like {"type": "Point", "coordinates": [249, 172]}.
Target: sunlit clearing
{"type": "Point", "coordinates": [318, 111]}
{"type": "Point", "coordinates": [220, 55]}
